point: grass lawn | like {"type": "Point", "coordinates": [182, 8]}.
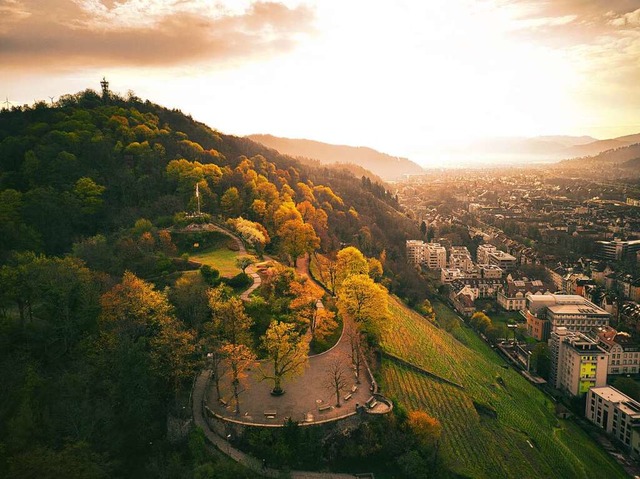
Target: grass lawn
{"type": "Point", "coordinates": [523, 438]}
{"type": "Point", "coordinates": [221, 258]}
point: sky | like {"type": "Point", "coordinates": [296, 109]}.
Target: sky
{"type": "Point", "coordinates": [404, 77]}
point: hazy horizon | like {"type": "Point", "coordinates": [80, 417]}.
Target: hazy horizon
{"type": "Point", "coordinates": [404, 78]}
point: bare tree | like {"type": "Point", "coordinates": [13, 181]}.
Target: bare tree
{"type": "Point", "coordinates": [353, 334]}
{"type": "Point", "coordinates": [240, 358]}
{"type": "Point", "coordinates": [336, 379]}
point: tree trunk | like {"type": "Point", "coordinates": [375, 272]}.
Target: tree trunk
{"type": "Point", "coordinates": [236, 395]}
{"type": "Point", "coordinates": [277, 388]}
{"type": "Point", "coordinates": [338, 397]}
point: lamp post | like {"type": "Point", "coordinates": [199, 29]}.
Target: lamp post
{"type": "Point", "coordinates": [228, 444]}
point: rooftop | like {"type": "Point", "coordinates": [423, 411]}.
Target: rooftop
{"type": "Point", "coordinates": [625, 403]}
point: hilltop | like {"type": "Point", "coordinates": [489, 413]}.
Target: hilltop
{"type": "Point", "coordinates": [385, 166]}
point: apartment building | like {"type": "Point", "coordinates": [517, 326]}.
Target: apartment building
{"type": "Point", "coordinates": [491, 271]}
{"type": "Point", "coordinates": [577, 362]}
{"type": "Point", "coordinates": [617, 250]}
{"type": "Point", "coordinates": [504, 261]}
{"type": "Point", "coordinates": [617, 414]}
{"type": "Point", "coordinates": [513, 298]}
{"type": "Point", "coordinates": [546, 312]}
{"type": "Point", "coordinates": [460, 258]}
{"type": "Point", "coordinates": [482, 254]}
{"type": "Point", "coordinates": [624, 352]}
{"type": "Point", "coordinates": [433, 255]}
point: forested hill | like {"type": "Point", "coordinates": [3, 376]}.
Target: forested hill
{"type": "Point", "coordinates": [386, 166]}
{"type": "Point", "coordinates": [102, 326]}
{"type": "Point", "coordinates": [87, 165]}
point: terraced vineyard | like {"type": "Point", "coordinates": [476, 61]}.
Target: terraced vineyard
{"type": "Point", "coordinates": [498, 425]}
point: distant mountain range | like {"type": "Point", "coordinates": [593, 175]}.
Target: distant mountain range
{"type": "Point", "coordinates": [626, 158]}
{"type": "Point", "coordinates": [542, 149]}
{"type": "Point", "coordinates": [385, 166]}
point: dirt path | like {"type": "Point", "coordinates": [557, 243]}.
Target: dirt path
{"type": "Point", "coordinates": [242, 251]}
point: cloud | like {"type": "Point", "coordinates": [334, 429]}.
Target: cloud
{"type": "Point", "coordinates": [68, 34]}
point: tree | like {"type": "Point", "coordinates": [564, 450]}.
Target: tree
{"type": "Point", "coordinates": [297, 238]}
{"type": "Point", "coordinates": [375, 269]}
{"type": "Point", "coordinates": [324, 324]}
{"type": "Point", "coordinates": [541, 360]}
{"type": "Point", "coordinates": [287, 351]}
{"type": "Point", "coordinates": [240, 358]}
{"type": "Point", "coordinates": [362, 300]}
{"type": "Point", "coordinates": [231, 202]}
{"type": "Point", "coordinates": [305, 297]}
{"type": "Point", "coordinates": [210, 275]}
{"type": "Point", "coordinates": [189, 297]}
{"type": "Point", "coordinates": [425, 428]}
{"type": "Point", "coordinates": [253, 233]}
{"type": "Point", "coordinates": [628, 386]}
{"type": "Point", "coordinates": [350, 261]}
{"type": "Point", "coordinates": [423, 229]}
{"type": "Point", "coordinates": [229, 318]}
{"type": "Point", "coordinates": [480, 321]}
{"type": "Point", "coordinates": [336, 378]}
{"type": "Point", "coordinates": [133, 313]}
{"type": "Point", "coordinates": [352, 330]}
{"type": "Point", "coordinates": [90, 195]}
{"type": "Point", "coordinates": [244, 262]}
{"type": "Point", "coordinates": [328, 270]}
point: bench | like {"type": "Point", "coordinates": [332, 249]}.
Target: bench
{"type": "Point", "coordinates": [354, 389]}
{"type": "Point", "coordinates": [326, 407]}
{"type": "Point", "coordinates": [270, 414]}
{"type": "Point", "coordinates": [223, 402]}
{"type": "Point", "coordinates": [371, 402]}
{"type": "Point", "coordinates": [348, 396]}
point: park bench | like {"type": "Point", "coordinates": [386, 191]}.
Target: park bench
{"type": "Point", "coordinates": [348, 396]}
{"type": "Point", "coordinates": [354, 388]}
{"type": "Point", "coordinates": [270, 414]}
{"type": "Point", "coordinates": [223, 402]}
{"type": "Point", "coordinates": [371, 402]}
{"type": "Point", "coordinates": [326, 407]}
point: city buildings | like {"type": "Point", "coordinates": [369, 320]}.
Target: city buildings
{"type": "Point", "coordinates": [504, 261]}
{"type": "Point", "coordinates": [577, 362]}
{"type": "Point", "coordinates": [513, 298]}
{"type": "Point", "coordinates": [546, 312]}
{"type": "Point", "coordinates": [624, 352]}
{"type": "Point", "coordinates": [617, 414]}
{"type": "Point", "coordinates": [432, 255]}
{"type": "Point", "coordinates": [618, 250]}
{"type": "Point", "coordinates": [482, 254]}
{"type": "Point", "coordinates": [460, 258]}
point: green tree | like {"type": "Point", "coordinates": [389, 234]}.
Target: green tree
{"type": "Point", "coordinates": [628, 386]}
{"type": "Point", "coordinates": [231, 203]}
{"type": "Point", "coordinates": [244, 262]}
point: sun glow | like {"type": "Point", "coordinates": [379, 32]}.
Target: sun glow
{"type": "Point", "coordinates": [403, 77]}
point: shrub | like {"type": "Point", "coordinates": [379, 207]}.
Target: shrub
{"type": "Point", "coordinates": [239, 281]}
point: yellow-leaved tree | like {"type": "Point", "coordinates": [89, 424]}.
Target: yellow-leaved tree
{"type": "Point", "coordinates": [365, 302]}
{"type": "Point", "coordinates": [286, 350]}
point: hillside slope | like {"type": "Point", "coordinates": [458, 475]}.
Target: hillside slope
{"type": "Point", "coordinates": [498, 425]}
{"type": "Point", "coordinates": [610, 161]}
{"type": "Point", "coordinates": [386, 166]}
